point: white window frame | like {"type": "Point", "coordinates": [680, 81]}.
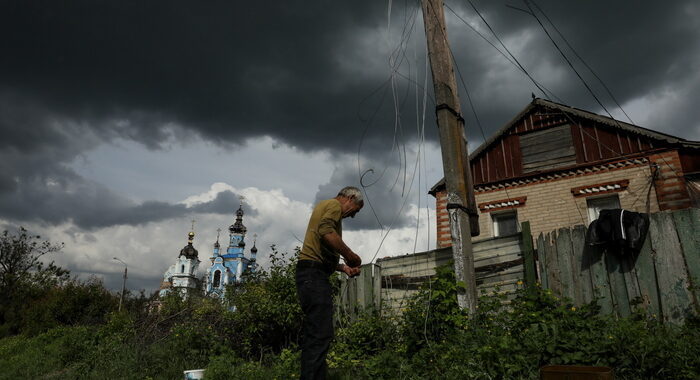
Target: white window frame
{"type": "Point", "coordinates": [495, 216]}
{"type": "Point", "coordinates": [595, 204]}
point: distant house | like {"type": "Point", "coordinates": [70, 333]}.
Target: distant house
{"type": "Point", "coordinates": [557, 166]}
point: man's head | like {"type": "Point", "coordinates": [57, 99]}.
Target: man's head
{"type": "Point", "coordinates": [351, 201]}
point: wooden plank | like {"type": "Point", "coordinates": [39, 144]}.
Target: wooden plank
{"type": "Point", "coordinates": [552, 148]}
{"type": "Point", "coordinates": [554, 153]}
{"type": "Point", "coordinates": [528, 256]}
{"type": "Point", "coordinates": [542, 260]}
{"type": "Point", "coordinates": [377, 286]}
{"type": "Point", "coordinates": [352, 298]}
{"type": "Point", "coordinates": [618, 289]}
{"type": "Point", "coordinates": [515, 273]}
{"type": "Point", "coordinates": [541, 165]}
{"type": "Point", "coordinates": [646, 278]}
{"type": "Point", "coordinates": [563, 244]}
{"type": "Point", "coordinates": [516, 155]}
{"type": "Point", "coordinates": [577, 142]}
{"type": "Point", "coordinates": [670, 268]}
{"type": "Point", "coordinates": [687, 225]}
{"type": "Point", "coordinates": [583, 293]}
{"type": "Point", "coordinates": [531, 141]}
{"type": "Point", "coordinates": [495, 243]}
{"type": "Point", "coordinates": [629, 273]}
{"type": "Point", "coordinates": [367, 286]}
{"type": "Point", "coordinates": [553, 266]}
{"type": "Point", "coordinates": [342, 299]}
{"type": "Point", "coordinates": [599, 280]}
{"type": "Point", "coordinates": [589, 256]}
{"type": "Point", "coordinates": [549, 132]}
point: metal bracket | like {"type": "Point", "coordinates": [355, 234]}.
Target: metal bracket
{"type": "Point", "coordinates": [452, 206]}
{"type": "Point", "coordinates": [445, 106]}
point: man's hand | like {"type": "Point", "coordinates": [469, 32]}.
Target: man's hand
{"type": "Point", "coordinates": [351, 272]}
{"type": "Point", "coordinates": [337, 243]}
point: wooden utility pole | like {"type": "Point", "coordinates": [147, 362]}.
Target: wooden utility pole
{"type": "Point", "coordinates": [455, 159]}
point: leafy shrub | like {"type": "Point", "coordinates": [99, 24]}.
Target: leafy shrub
{"type": "Point", "coordinates": [433, 313]}
{"type": "Point", "coordinates": [369, 334]}
{"type": "Point", "coordinates": [267, 315]}
{"type": "Point", "coordinates": [259, 340]}
{"type": "Point", "coordinates": [75, 302]}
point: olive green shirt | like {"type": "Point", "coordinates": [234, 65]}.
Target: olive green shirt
{"type": "Point", "coordinates": [327, 217]}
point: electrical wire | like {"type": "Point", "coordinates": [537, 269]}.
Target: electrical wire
{"type": "Point", "coordinates": [583, 61]}
{"type": "Point", "coordinates": [519, 67]}
{"type": "Point", "coordinates": [532, 12]}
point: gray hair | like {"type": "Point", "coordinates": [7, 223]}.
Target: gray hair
{"type": "Point", "coordinates": [351, 192]}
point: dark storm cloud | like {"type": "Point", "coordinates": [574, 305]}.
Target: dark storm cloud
{"type": "Point", "coordinates": [389, 187]}
{"type": "Point", "coordinates": [228, 70]}
{"type": "Point", "coordinates": [638, 48]}
{"type": "Point", "coordinates": [77, 74]}
{"type": "Point", "coordinates": [231, 71]}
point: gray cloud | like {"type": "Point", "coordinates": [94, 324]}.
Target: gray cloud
{"type": "Point", "coordinates": [78, 74]}
{"type": "Point", "coordinates": [231, 72]}
{"type": "Point", "coordinates": [389, 185]}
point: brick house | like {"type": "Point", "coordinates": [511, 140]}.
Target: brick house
{"type": "Point", "coordinates": [557, 166]}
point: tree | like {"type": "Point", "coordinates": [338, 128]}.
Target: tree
{"type": "Point", "coordinates": [23, 271]}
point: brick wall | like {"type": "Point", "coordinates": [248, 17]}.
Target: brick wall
{"type": "Point", "coordinates": [670, 186]}
{"type": "Point", "coordinates": [550, 203]}
{"type": "Point", "coordinates": [443, 221]}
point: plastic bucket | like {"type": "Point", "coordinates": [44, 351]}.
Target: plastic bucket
{"type": "Point", "coordinates": [194, 374]}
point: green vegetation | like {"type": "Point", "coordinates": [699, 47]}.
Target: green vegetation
{"type": "Point", "coordinates": [65, 328]}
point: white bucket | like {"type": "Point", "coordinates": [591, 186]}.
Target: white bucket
{"type": "Point", "coordinates": [194, 374]}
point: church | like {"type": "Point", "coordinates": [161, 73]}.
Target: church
{"type": "Point", "coordinates": [225, 268]}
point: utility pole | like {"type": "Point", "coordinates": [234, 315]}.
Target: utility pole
{"type": "Point", "coordinates": [121, 296]}
{"type": "Point", "coordinates": [455, 159]}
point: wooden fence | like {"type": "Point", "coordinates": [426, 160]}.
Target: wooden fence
{"type": "Point", "coordinates": [663, 279]}
{"type": "Point", "coordinates": [390, 282]}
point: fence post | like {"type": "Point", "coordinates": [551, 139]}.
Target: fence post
{"type": "Point", "coordinates": [528, 257]}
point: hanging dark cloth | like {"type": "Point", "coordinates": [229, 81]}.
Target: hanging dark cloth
{"type": "Point", "coordinates": [622, 229]}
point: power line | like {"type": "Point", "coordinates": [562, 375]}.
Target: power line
{"type": "Point", "coordinates": [506, 49]}
{"type": "Point", "coordinates": [520, 68]}
{"type": "Point", "coordinates": [583, 61]}
{"type": "Point", "coordinates": [470, 99]}
{"type": "Point", "coordinates": [566, 59]}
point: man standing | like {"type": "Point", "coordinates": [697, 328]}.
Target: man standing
{"type": "Point", "coordinates": [318, 259]}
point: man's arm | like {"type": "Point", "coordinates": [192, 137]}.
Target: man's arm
{"type": "Point", "coordinates": [336, 242]}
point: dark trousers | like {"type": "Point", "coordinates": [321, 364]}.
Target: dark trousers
{"type": "Point", "coordinates": [314, 291]}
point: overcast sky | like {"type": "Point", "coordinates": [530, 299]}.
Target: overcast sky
{"type": "Point", "coordinates": [121, 121]}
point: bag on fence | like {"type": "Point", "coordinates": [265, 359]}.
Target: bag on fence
{"type": "Point", "coordinates": [622, 229]}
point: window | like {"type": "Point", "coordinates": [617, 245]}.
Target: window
{"type": "Point", "coordinates": [183, 268]}
{"type": "Point", "coordinates": [504, 223]}
{"type": "Point", "coordinates": [602, 203]}
{"type": "Point", "coordinates": [217, 279]}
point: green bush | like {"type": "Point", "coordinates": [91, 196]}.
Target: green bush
{"type": "Point", "coordinates": [267, 315]}
{"type": "Point", "coordinates": [58, 353]}
{"type": "Point", "coordinates": [255, 335]}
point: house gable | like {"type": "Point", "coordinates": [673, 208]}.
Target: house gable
{"type": "Point", "coordinates": [548, 136]}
